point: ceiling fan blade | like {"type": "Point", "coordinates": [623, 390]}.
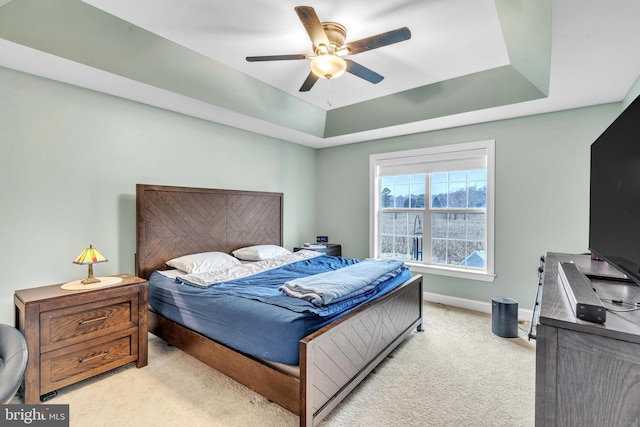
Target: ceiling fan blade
{"type": "Point", "coordinates": [275, 57]}
{"type": "Point", "coordinates": [363, 72]}
{"type": "Point", "coordinates": [379, 40]}
{"type": "Point", "coordinates": [312, 24]}
{"type": "Point", "coordinates": [309, 82]}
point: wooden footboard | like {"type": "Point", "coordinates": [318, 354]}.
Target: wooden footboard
{"type": "Point", "coordinates": [335, 359]}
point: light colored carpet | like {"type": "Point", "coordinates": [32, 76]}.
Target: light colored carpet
{"type": "Point", "coordinates": [456, 373]}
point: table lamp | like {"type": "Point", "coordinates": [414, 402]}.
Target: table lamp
{"type": "Point", "coordinates": [90, 256]}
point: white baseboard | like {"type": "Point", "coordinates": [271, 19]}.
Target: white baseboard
{"type": "Point", "coordinates": [481, 306]}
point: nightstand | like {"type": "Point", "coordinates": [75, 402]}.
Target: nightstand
{"type": "Point", "coordinates": [74, 335]}
{"type": "Point", "coordinates": [331, 249]}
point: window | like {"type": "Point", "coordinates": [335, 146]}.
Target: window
{"type": "Point", "coordinates": [433, 208]}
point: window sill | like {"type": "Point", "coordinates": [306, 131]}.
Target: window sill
{"type": "Point", "coordinates": [451, 272]}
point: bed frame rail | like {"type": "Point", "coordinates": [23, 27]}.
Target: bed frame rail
{"type": "Point", "coordinates": [275, 385]}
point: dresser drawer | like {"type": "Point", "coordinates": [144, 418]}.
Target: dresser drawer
{"type": "Point", "coordinates": [63, 327]}
{"type": "Point", "coordinates": [71, 364]}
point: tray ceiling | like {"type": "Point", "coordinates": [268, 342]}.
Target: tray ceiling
{"type": "Point", "coordinates": [467, 61]}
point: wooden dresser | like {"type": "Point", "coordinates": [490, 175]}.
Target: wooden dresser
{"type": "Point", "coordinates": [74, 335]}
{"type": "Point", "coordinates": [587, 374]}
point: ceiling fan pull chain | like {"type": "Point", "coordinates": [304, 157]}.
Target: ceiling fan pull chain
{"type": "Point", "coordinates": [330, 93]}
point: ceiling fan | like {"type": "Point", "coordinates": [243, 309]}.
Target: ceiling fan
{"type": "Point", "coordinates": [329, 49]}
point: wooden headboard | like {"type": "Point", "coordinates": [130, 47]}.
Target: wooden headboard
{"type": "Point", "coordinates": [175, 221]}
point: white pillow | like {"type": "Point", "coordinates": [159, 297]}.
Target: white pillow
{"type": "Point", "coordinates": [205, 261]}
{"type": "Point", "coordinates": [260, 252]}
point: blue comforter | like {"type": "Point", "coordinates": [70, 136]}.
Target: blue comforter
{"type": "Point", "coordinates": [265, 286]}
{"type": "Point", "coordinates": [251, 315]}
{"type": "Point", "coordinates": [347, 282]}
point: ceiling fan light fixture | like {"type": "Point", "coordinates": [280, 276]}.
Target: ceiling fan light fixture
{"type": "Point", "coordinates": [328, 66]}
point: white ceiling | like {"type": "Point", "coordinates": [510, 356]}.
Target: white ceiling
{"type": "Point", "coordinates": [449, 39]}
{"type": "Point", "coordinates": [593, 55]}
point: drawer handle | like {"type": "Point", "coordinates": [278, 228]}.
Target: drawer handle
{"type": "Point", "coordinates": [82, 359]}
{"type": "Point", "coordinates": [82, 322]}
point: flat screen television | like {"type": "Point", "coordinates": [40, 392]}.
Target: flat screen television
{"type": "Point", "coordinates": [614, 213]}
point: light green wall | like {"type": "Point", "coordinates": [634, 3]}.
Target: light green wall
{"type": "Point", "coordinates": [542, 194]}
{"type": "Point", "coordinates": [633, 93]}
{"type": "Point", "coordinates": [71, 158]}
{"type": "Point", "coordinates": [69, 162]}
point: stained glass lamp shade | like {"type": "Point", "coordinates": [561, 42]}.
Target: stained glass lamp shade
{"type": "Point", "coordinates": [90, 256]}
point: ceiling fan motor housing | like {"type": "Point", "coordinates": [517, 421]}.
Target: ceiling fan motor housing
{"type": "Point", "coordinates": [336, 34]}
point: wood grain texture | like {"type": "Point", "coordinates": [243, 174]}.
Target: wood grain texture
{"type": "Point", "coordinates": [70, 325]}
{"type": "Point", "coordinates": [276, 386]}
{"type": "Point", "coordinates": [546, 374]}
{"type": "Point", "coordinates": [587, 373]}
{"type": "Point", "coordinates": [598, 388]}
{"type": "Point", "coordinates": [69, 365]}
{"type": "Point", "coordinates": [73, 335]}
{"type": "Point", "coordinates": [176, 221]}
{"type": "Point", "coordinates": [338, 358]}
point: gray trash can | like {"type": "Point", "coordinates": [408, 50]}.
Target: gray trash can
{"type": "Point", "coordinates": [504, 317]}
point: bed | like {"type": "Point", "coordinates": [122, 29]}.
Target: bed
{"type": "Point", "coordinates": [333, 360]}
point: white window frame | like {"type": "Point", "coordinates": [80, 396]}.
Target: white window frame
{"type": "Point", "coordinates": [433, 159]}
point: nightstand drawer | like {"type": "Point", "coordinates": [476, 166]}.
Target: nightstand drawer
{"type": "Point", "coordinates": [333, 250]}
{"type": "Point", "coordinates": [71, 364]}
{"type": "Point", "coordinates": [67, 326]}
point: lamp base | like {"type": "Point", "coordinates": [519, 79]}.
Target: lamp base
{"type": "Point", "coordinates": [79, 285]}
